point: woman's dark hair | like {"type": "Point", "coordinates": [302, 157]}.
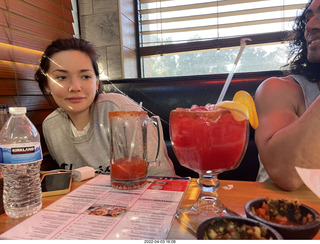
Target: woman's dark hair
{"type": "Point", "coordinates": [65, 45]}
{"type": "Point", "coordinates": [299, 63]}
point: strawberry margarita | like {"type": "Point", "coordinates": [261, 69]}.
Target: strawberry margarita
{"type": "Point", "coordinates": [208, 138]}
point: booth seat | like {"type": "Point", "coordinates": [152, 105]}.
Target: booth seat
{"type": "Point", "coordinates": [161, 95]}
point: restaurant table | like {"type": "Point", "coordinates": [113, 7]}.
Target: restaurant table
{"type": "Point", "coordinates": [234, 195]}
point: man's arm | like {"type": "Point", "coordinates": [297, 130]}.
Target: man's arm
{"type": "Point", "coordinates": [287, 135]}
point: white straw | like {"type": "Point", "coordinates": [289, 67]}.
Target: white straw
{"type": "Point", "coordinates": [134, 136]}
{"type": "Point", "coordinates": [227, 83]}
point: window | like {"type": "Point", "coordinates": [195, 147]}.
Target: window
{"type": "Point", "coordinates": [193, 37]}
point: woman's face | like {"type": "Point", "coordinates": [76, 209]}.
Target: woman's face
{"type": "Point", "coordinates": [72, 81]}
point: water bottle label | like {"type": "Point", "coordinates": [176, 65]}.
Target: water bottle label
{"type": "Point", "coordinates": [20, 154]}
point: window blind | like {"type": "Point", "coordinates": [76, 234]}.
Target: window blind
{"type": "Point", "coordinates": [167, 26]}
{"type": "Point", "coordinates": [27, 27]}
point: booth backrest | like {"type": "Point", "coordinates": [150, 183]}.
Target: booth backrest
{"type": "Point", "coordinates": [161, 95]}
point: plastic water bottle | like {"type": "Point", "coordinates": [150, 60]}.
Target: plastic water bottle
{"type": "Point", "coordinates": [3, 115]}
{"type": "Point", "coordinates": [20, 160]}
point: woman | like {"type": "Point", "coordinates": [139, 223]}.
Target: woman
{"type": "Point", "coordinates": [77, 132]}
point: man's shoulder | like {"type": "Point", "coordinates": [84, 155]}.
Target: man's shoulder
{"type": "Point", "coordinates": [280, 79]}
{"type": "Point", "coordinates": [278, 90]}
{"type": "Point", "coordinates": [279, 84]}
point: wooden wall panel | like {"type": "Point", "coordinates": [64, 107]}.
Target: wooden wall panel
{"type": "Point", "coordinates": [12, 87]}
{"type": "Point", "coordinates": [32, 103]}
{"type": "Point", "coordinates": [6, 69]}
{"type": "Point", "coordinates": [53, 7]}
{"type": "Point", "coordinates": [18, 38]}
{"type": "Point", "coordinates": [37, 116]}
{"type": "Point", "coordinates": [32, 27]}
{"type": "Point", "coordinates": [67, 14]}
{"type": "Point", "coordinates": [58, 7]}
{"type": "Point", "coordinates": [3, 18]}
{"type": "Point", "coordinates": [9, 100]}
{"type": "Point", "coordinates": [67, 4]}
{"type": "Point", "coordinates": [7, 88]}
{"type": "Point", "coordinates": [27, 11]}
{"type": "Point", "coordinates": [28, 87]}
{"type": "Point", "coordinates": [17, 70]}
{"type": "Point", "coordinates": [27, 27]}
{"type": "Point", "coordinates": [19, 54]}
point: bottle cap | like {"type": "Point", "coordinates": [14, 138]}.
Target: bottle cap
{"type": "Point", "coordinates": [3, 106]}
{"type": "Point", "coordinates": [17, 110]}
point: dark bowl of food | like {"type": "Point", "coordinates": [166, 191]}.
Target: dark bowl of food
{"type": "Point", "coordinates": [290, 218]}
{"type": "Point", "coordinates": [235, 228]}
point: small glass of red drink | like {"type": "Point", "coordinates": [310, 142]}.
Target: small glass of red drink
{"type": "Point", "coordinates": [208, 140]}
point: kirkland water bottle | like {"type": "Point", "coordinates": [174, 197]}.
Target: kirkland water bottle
{"type": "Point", "coordinates": [20, 158]}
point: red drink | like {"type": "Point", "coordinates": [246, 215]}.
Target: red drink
{"type": "Point", "coordinates": [207, 139]}
{"type": "Point", "coordinates": [123, 169]}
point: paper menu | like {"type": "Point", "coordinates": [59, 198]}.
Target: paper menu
{"type": "Point", "coordinates": [96, 211]}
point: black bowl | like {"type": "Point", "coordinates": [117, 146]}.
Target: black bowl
{"type": "Point", "coordinates": [307, 231]}
{"type": "Point", "coordinates": [239, 221]}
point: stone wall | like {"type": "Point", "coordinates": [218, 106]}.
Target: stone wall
{"type": "Point", "coordinates": [109, 25]}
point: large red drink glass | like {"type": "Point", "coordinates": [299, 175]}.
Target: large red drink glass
{"type": "Point", "coordinates": [208, 140]}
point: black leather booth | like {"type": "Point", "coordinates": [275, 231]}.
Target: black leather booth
{"type": "Point", "coordinates": [161, 95]}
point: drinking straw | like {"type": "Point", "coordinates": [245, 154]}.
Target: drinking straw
{"type": "Point", "coordinates": [134, 136]}
{"type": "Point", "coordinates": [227, 83]}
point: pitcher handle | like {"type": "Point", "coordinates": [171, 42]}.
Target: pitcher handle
{"type": "Point", "coordinates": [157, 122]}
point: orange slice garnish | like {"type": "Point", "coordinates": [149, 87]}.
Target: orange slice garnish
{"type": "Point", "coordinates": [246, 99]}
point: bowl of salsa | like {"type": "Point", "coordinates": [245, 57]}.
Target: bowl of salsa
{"type": "Point", "coordinates": [235, 228]}
{"type": "Point", "coordinates": [290, 218]}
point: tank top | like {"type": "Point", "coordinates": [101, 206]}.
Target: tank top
{"type": "Point", "coordinates": [310, 92]}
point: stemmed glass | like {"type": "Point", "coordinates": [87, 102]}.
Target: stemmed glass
{"type": "Point", "coordinates": [208, 140]}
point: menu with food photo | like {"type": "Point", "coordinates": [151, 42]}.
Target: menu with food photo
{"type": "Point", "coordinates": [96, 211]}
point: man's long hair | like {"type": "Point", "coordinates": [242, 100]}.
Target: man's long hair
{"type": "Point", "coordinates": [299, 63]}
